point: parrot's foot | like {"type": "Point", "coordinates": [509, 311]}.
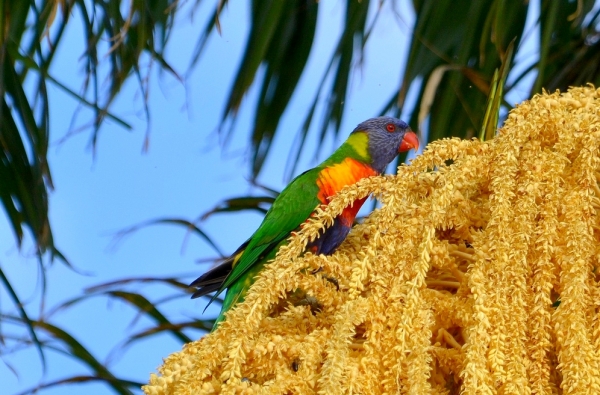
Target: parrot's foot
{"type": "Point", "coordinates": [312, 302]}
{"type": "Point", "coordinates": [332, 280]}
{"type": "Point", "coordinates": [297, 298]}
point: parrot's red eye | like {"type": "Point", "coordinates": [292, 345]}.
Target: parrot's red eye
{"type": "Point", "coordinates": [390, 127]}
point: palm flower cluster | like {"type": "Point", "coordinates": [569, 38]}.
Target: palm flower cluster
{"type": "Point", "coordinates": [478, 275]}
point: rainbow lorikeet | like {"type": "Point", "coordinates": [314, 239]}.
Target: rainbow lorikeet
{"type": "Point", "coordinates": [368, 150]}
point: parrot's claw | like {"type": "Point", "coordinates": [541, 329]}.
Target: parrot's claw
{"type": "Point", "coordinates": [312, 302]}
{"type": "Point", "coordinates": [332, 280]}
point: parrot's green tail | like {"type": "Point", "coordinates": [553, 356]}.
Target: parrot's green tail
{"type": "Point", "coordinates": [237, 292]}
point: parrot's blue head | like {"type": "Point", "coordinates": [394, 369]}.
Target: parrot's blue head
{"type": "Point", "coordinates": [387, 136]}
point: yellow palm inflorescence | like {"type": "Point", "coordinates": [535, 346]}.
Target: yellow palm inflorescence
{"type": "Point", "coordinates": [478, 275]}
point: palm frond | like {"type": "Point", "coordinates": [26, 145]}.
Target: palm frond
{"type": "Point", "coordinates": [494, 101]}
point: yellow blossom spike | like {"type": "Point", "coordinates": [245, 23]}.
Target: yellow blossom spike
{"type": "Point", "coordinates": [451, 287]}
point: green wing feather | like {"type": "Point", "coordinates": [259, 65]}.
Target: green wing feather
{"type": "Point", "coordinates": [291, 208]}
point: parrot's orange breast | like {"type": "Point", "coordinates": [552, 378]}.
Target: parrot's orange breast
{"type": "Point", "coordinates": [333, 178]}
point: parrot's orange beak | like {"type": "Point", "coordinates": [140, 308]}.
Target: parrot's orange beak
{"type": "Point", "coordinates": [410, 141]}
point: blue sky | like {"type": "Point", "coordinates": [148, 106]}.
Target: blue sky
{"type": "Point", "coordinates": [185, 172]}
